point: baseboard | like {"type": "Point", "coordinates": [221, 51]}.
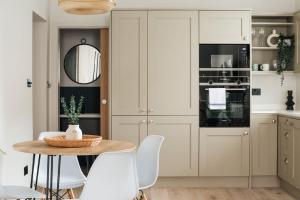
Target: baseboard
{"type": "Point", "coordinates": [290, 189]}
{"type": "Point", "coordinates": [208, 182]}
{"type": "Point", "coordinates": [265, 181]}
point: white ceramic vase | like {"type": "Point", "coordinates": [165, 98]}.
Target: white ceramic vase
{"type": "Point", "coordinates": [73, 133]}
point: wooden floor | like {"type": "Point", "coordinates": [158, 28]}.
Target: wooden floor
{"type": "Point", "coordinates": [216, 194]}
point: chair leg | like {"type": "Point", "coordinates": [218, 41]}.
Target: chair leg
{"type": "Point", "coordinates": [71, 194]}
{"type": "Point", "coordinates": [144, 197]}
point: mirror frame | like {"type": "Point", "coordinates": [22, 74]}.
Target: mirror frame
{"type": "Point", "coordinates": [65, 63]}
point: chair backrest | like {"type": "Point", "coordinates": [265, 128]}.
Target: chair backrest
{"type": "Point", "coordinates": [113, 176]}
{"type": "Point", "coordinates": [148, 160]}
{"type": "Point", "coordinates": [69, 164]}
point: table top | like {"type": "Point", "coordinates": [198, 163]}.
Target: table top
{"type": "Point", "coordinates": [40, 147]}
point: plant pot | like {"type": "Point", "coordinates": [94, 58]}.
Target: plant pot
{"type": "Point", "coordinates": [73, 133]}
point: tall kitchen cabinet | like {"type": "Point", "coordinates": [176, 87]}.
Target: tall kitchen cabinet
{"type": "Point", "coordinates": [154, 84]}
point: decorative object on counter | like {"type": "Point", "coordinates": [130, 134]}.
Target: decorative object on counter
{"type": "Point", "coordinates": [73, 132]}
{"type": "Point", "coordinates": [285, 54]}
{"type": "Point", "coordinates": [255, 67]}
{"type": "Point", "coordinates": [84, 7]}
{"type": "Point", "coordinates": [290, 103]}
{"type": "Point", "coordinates": [262, 37]}
{"type": "Point", "coordinates": [272, 39]}
{"type": "Point", "coordinates": [60, 141]}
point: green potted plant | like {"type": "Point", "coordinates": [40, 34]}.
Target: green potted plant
{"type": "Point", "coordinates": [73, 112]}
{"type": "Point", "coordinates": [285, 54]}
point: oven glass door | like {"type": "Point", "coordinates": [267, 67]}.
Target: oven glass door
{"type": "Point", "coordinates": [216, 56]}
{"type": "Point", "coordinates": [235, 114]}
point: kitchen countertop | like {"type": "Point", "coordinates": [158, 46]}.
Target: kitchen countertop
{"type": "Point", "coordinates": [293, 113]}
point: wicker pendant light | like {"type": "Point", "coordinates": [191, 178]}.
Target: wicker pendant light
{"type": "Point", "coordinates": [87, 7]}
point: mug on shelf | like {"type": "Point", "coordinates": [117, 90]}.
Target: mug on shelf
{"type": "Point", "coordinates": [255, 67]}
{"type": "Point", "coordinates": [265, 67]}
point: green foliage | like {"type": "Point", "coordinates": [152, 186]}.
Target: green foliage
{"type": "Point", "coordinates": [285, 53]}
{"type": "Point", "coordinates": [71, 111]}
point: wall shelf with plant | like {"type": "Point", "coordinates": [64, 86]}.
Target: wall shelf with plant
{"type": "Point", "coordinates": [273, 44]}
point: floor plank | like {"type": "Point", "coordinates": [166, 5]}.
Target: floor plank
{"type": "Point", "coordinates": [214, 194]}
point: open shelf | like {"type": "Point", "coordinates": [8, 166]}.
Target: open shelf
{"type": "Point", "coordinates": [271, 73]}
{"type": "Point", "coordinates": [264, 48]}
{"type": "Point", "coordinates": [272, 24]}
{"type": "Point", "coordinates": [90, 115]}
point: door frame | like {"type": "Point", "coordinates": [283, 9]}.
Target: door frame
{"type": "Point", "coordinates": [54, 71]}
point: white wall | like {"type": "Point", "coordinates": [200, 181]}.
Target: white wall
{"type": "Point", "coordinates": [15, 97]}
{"type": "Point", "coordinates": [273, 95]}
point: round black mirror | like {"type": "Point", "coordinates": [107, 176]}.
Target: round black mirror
{"type": "Point", "coordinates": [82, 64]}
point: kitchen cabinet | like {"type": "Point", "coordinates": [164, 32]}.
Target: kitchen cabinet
{"type": "Point", "coordinates": [179, 152]}
{"type": "Point", "coordinates": [289, 151]}
{"type": "Point", "coordinates": [231, 27]}
{"type": "Point", "coordinates": [173, 63]}
{"type": "Point", "coordinates": [224, 152]}
{"type": "Point", "coordinates": [155, 63]}
{"type": "Point", "coordinates": [129, 128]}
{"type": "Point", "coordinates": [129, 63]}
{"type": "Point", "coordinates": [264, 144]}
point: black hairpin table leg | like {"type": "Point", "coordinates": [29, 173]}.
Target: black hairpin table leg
{"type": "Point", "coordinates": [51, 177]}
{"type": "Point", "coordinates": [32, 170]}
{"type": "Point", "coordinates": [47, 182]}
{"type": "Point", "coordinates": [37, 172]}
{"type": "Point", "coordinates": [58, 177]}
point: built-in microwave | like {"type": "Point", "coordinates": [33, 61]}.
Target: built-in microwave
{"type": "Point", "coordinates": [215, 56]}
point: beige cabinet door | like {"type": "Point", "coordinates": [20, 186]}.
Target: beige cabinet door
{"type": "Point", "coordinates": [173, 63]}
{"type": "Point", "coordinates": [129, 128]}
{"type": "Point", "coordinates": [179, 152]}
{"type": "Point", "coordinates": [129, 63]}
{"type": "Point", "coordinates": [296, 153]}
{"type": "Point", "coordinates": [297, 44]}
{"type": "Point", "coordinates": [286, 150]}
{"type": "Point", "coordinates": [232, 27]}
{"type": "Point", "coordinates": [224, 152]}
{"type": "Point", "coordinates": [264, 144]}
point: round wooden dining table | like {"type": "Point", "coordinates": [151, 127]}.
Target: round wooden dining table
{"type": "Point", "coordinates": [41, 148]}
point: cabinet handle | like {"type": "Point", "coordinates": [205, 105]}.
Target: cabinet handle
{"type": "Point", "coordinates": [287, 122]}
{"type": "Point", "coordinates": [286, 161]}
{"type": "Point", "coordinates": [143, 121]}
{"type": "Point", "coordinates": [246, 133]}
{"type": "Point", "coordinates": [150, 121]}
{"type": "Point", "coordinates": [143, 110]}
{"type": "Point", "coordinates": [246, 38]}
{"type": "Point", "coordinates": [286, 134]}
{"type": "Point", "coordinates": [104, 101]}
{"type": "Point", "coordinates": [150, 110]}
{"type": "Point", "coordinates": [274, 121]}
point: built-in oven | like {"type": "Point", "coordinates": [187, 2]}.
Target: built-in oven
{"type": "Point", "coordinates": [234, 113]}
{"type": "Point", "coordinates": [216, 56]}
{"type": "Point", "coordinates": [224, 85]}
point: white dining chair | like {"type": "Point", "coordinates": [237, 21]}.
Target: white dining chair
{"type": "Point", "coordinates": [148, 162]}
{"type": "Point", "coordinates": [19, 192]}
{"type": "Point", "coordinates": [71, 175]}
{"type": "Point", "coordinates": [113, 176]}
